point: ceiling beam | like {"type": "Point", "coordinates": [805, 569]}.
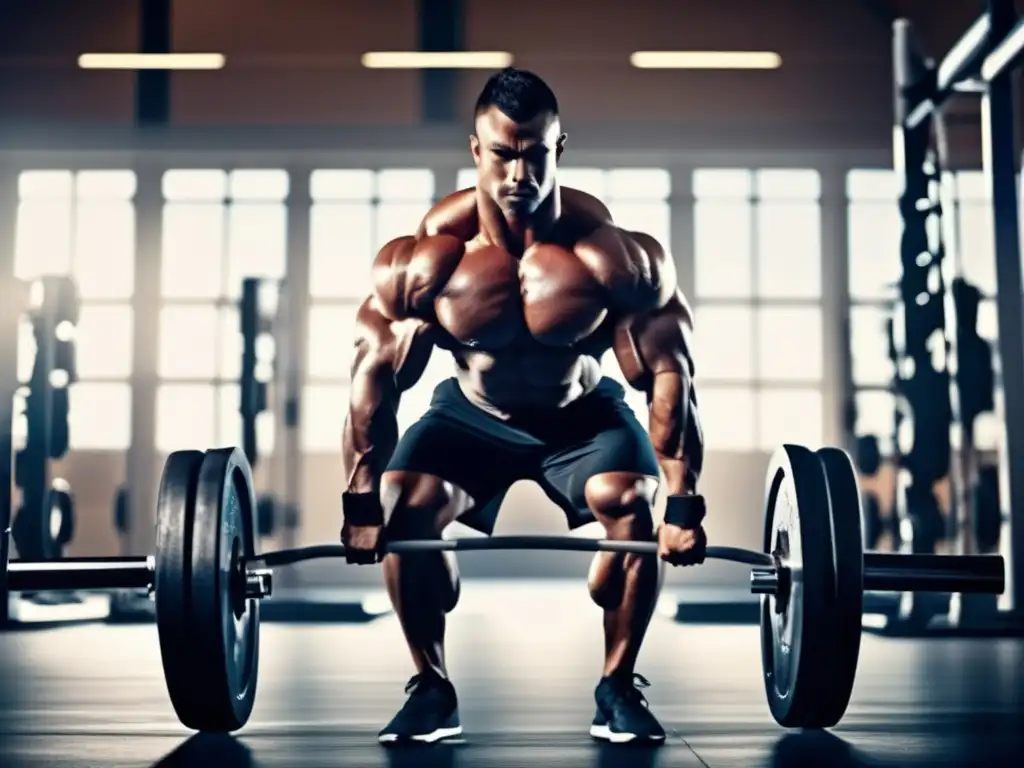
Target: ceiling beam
{"type": "Point", "coordinates": [153, 86]}
{"type": "Point", "coordinates": [441, 28]}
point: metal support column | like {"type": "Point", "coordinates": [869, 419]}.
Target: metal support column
{"type": "Point", "coordinates": [837, 383]}
{"type": "Point", "coordinates": [141, 470]}
{"type": "Point", "coordinates": [288, 422]}
{"type": "Point", "coordinates": [922, 378]}
{"type": "Point", "coordinates": [10, 308]}
{"type": "Point", "coordinates": [999, 161]}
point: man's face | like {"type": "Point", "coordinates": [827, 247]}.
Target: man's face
{"type": "Point", "coordinates": [515, 162]}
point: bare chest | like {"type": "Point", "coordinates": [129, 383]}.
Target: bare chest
{"type": "Point", "coordinates": [494, 300]}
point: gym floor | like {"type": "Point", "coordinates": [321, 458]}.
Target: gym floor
{"type": "Point", "coordinates": [525, 661]}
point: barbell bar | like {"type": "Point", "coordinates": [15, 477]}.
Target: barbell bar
{"type": "Point", "coordinates": [207, 581]}
{"type": "Point", "coordinates": [883, 572]}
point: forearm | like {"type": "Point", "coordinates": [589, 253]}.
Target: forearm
{"type": "Point", "coordinates": [675, 431]}
{"type": "Point", "coordinates": [371, 430]}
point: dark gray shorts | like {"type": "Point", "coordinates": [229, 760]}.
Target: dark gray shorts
{"type": "Point", "coordinates": [559, 449]}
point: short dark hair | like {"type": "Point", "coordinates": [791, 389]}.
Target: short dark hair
{"type": "Point", "coordinates": [517, 93]}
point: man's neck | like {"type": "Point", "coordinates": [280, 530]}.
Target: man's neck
{"type": "Point", "coordinates": [513, 233]}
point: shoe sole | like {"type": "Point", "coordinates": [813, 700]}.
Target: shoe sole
{"type": "Point", "coordinates": [423, 738]}
{"type": "Point", "coordinates": [604, 733]}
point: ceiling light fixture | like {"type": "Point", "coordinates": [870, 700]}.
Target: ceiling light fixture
{"type": "Point", "coordinates": [705, 60]}
{"type": "Point", "coordinates": [151, 61]}
{"type": "Point", "coordinates": [436, 60]}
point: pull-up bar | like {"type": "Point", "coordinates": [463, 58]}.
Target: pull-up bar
{"type": "Point", "coordinates": [1006, 55]}
{"type": "Point", "coordinates": [977, 54]}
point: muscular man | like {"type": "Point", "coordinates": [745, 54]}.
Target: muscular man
{"type": "Point", "coordinates": [527, 285]}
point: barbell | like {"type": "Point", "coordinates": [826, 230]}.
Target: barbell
{"type": "Point", "coordinates": [207, 581]}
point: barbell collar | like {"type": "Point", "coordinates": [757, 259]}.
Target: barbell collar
{"type": "Point", "coordinates": [81, 574]}
{"type": "Point", "coordinates": [259, 584]}
{"type": "Point", "coordinates": [764, 581]}
{"type": "Point", "coordinates": [561, 543]}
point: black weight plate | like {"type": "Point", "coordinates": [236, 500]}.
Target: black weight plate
{"type": "Point", "coordinates": [225, 624]}
{"type": "Point", "coordinates": [987, 521]}
{"type": "Point", "coordinates": [266, 512]}
{"type": "Point", "coordinates": [62, 516]}
{"type": "Point", "coordinates": [34, 532]}
{"type": "Point", "coordinates": [848, 551]}
{"type": "Point", "coordinates": [172, 581]}
{"type": "Point", "coordinates": [122, 510]}
{"type": "Point", "coordinates": [5, 595]}
{"type": "Point", "coordinates": [798, 637]}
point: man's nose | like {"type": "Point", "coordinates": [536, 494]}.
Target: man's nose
{"type": "Point", "coordinates": [519, 172]}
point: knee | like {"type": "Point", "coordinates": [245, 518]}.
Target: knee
{"type": "Point", "coordinates": [623, 503]}
{"type": "Point", "coordinates": [416, 505]}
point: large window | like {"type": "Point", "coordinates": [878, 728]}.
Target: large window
{"type": "Point", "coordinates": [218, 228]}
{"type": "Point", "coordinates": [82, 224]}
{"type": "Point", "coordinates": [758, 318]}
{"type": "Point", "coordinates": [355, 212]}
{"type": "Point", "coordinates": [874, 271]}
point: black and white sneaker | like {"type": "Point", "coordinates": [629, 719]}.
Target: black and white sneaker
{"type": "Point", "coordinates": [430, 714]}
{"type": "Point", "coordinates": [622, 712]}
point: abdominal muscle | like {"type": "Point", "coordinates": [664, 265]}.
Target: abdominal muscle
{"type": "Point", "coordinates": [516, 379]}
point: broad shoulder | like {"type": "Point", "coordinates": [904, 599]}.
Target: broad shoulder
{"type": "Point", "coordinates": [610, 241]}
{"type": "Point", "coordinates": [410, 271]}
{"type": "Point", "coordinates": [454, 215]}
{"type": "Point", "coordinates": [582, 206]}
{"type": "Point", "coordinates": [637, 270]}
